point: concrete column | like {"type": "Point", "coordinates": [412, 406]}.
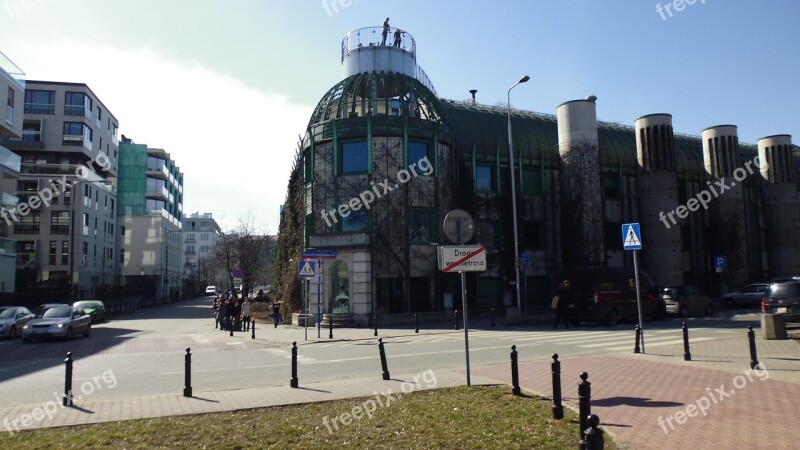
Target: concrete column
{"type": "Point", "coordinates": [662, 255]}
{"type": "Point", "coordinates": [726, 213]}
{"type": "Point", "coordinates": [781, 211]}
{"type": "Point", "coordinates": [581, 201]}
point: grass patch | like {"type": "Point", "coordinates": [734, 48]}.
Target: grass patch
{"type": "Point", "coordinates": [485, 417]}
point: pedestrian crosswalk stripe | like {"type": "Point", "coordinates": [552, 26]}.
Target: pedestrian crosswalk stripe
{"type": "Point", "coordinates": [623, 339]}
{"type": "Point", "coordinates": [661, 344]}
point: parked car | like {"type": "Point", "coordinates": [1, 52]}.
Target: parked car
{"type": "Point", "coordinates": [60, 321]}
{"type": "Point", "coordinates": [686, 301]}
{"type": "Point", "coordinates": [782, 298]}
{"type": "Point", "coordinates": [749, 295]}
{"type": "Point", "coordinates": [42, 308]}
{"type": "Point", "coordinates": [12, 319]}
{"type": "Point", "coordinates": [607, 294]}
{"type": "Point", "coordinates": [211, 290]}
{"type": "Point", "coordinates": [96, 309]}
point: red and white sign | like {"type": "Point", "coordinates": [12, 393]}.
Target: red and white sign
{"type": "Point", "coordinates": [462, 258]}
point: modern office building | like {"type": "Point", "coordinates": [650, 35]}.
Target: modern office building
{"type": "Point", "coordinates": [66, 218]}
{"type": "Point", "coordinates": [577, 181]}
{"type": "Point", "coordinates": [200, 234]}
{"type": "Point", "coordinates": [150, 220]}
{"type": "Point", "coordinates": [12, 93]}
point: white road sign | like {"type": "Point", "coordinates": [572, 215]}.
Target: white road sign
{"type": "Point", "coordinates": [462, 258]}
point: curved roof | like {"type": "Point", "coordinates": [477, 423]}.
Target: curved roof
{"type": "Point", "coordinates": [388, 94]}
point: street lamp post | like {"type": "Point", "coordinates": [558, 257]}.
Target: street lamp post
{"type": "Point", "coordinates": [524, 79]}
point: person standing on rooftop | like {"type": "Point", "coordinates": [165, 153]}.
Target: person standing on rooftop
{"type": "Point", "coordinates": [385, 31]}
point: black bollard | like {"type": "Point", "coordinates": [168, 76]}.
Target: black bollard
{"type": "Point", "coordinates": [187, 367]}
{"type": "Point", "coordinates": [375, 323]}
{"type": "Point", "coordinates": [753, 355]}
{"type": "Point", "coordinates": [293, 382]}
{"type": "Point", "coordinates": [456, 317]}
{"type": "Point", "coordinates": [636, 348]}
{"type": "Point", "coordinates": [67, 401]}
{"type": "Point", "coordinates": [594, 435]}
{"type": "Point", "coordinates": [492, 314]}
{"type": "Point", "coordinates": [687, 356]}
{"type": "Point", "coordinates": [514, 372]}
{"type": "Point", "coordinates": [252, 328]}
{"type": "Point", "coordinates": [416, 324]}
{"type": "Point", "coordinates": [558, 408]}
{"type": "Point", "coordinates": [584, 406]}
{"type": "Point", "coordinates": [384, 366]}
{"type": "Point", "coordinates": [330, 327]}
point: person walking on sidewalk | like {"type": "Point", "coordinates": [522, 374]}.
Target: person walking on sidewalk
{"type": "Point", "coordinates": [246, 314]}
{"type": "Point", "coordinates": [230, 310]}
{"type": "Point", "coordinates": [561, 308]}
{"type": "Point", "coordinates": [276, 312]}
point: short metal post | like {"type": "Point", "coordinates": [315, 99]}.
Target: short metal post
{"type": "Point", "coordinates": [252, 328]}
{"type": "Point", "coordinates": [67, 401]}
{"type": "Point", "coordinates": [753, 355]}
{"type": "Point", "coordinates": [187, 367]}
{"type": "Point", "coordinates": [416, 323]}
{"type": "Point", "coordinates": [330, 327]}
{"type": "Point", "coordinates": [594, 435]}
{"type": "Point", "coordinates": [687, 356]}
{"type": "Point", "coordinates": [584, 406]}
{"type": "Point", "coordinates": [375, 323]}
{"type": "Point", "coordinates": [558, 408]}
{"type": "Point", "coordinates": [514, 372]}
{"type": "Point", "coordinates": [384, 366]}
{"type": "Point", "coordinates": [636, 347]}
{"type": "Point", "coordinates": [456, 320]}
{"type": "Point", "coordinates": [293, 382]}
{"type": "Point", "coordinates": [492, 314]}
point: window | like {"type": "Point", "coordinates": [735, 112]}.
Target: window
{"type": "Point", "coordinates": [356, 221]}
{"type": "Point", "coordinates": [353, 158]}
{"type": "Point", "coordinates": [59, 222]}
{"type": "Point", "coordinates": [419, 226]}
{"type": "Point", "coordinates": [77, 104]}
{"type": "Point", "coordinates": [10, 106]}
{"type": "Point", "coordinates": [32, 130]}
{"type": "Point", "coordinates": [28, 224]}
{"type": "Point", "coordinates": [484, 178]}
{"type": "Point", "coordinates": [75, 133]}
{"type": "Point", "coordinates": [64, 253]}
{"type": "Point", "coordinates": [611, 188]}
{"type": "Point", "coordinates": [40, 102]}
{"type": "Point", "coordinates": [532, 182]}
{"type": "Point", "coordinates": [122, 230]}
{"type": "Point", "coordinates": [485, 234]}
{"type": "Point", "coordinates": [154, 206]}
{"type": "Point", "coordinates": [52, 254]}
{"type": "Point", "coordinates": [204, 236]}
{"type": "Point", "coordinates": [122, 256]}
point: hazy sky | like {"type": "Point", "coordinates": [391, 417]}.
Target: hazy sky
{"type": "Point", "coordinates": [226, 87]}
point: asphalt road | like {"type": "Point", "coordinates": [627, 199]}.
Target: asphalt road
{"type": "Point", "coordinates": [143, 353]}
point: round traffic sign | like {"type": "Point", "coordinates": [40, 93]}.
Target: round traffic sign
{"type": "Point", "coordinates": [458, 226]}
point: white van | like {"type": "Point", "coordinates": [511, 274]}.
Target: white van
{"type": "Point", "coordinates": [211, 290]}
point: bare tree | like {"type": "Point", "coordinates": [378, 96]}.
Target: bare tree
{"type": "Point", "coordinates": [248, 249]}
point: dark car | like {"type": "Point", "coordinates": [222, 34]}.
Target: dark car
{"type": "Point", "coordinates": [749, 295]}
{"type": "Point", "coordinates": [782, 298]}
{"type": "Point", "coordinates": [686, 301]}
{"type": "Point", "coordinates": [94, 308]}
{"type": "Point", "coordinates": [607, 294]}
{"type": "Point", "coordinates": [12, 319]}
{"type": "Point", "coordinates": [59, 322]}
{"type": "Point", "coordinates": [42, 308]}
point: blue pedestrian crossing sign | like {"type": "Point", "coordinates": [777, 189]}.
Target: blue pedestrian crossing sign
{"type": "Point", "coordinates": [631, 236]}
{"type": "Point", "coordinates": [305, 268]}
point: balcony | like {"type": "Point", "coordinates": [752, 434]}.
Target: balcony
{"type": "Point", "coordinates": [9, 115]}
{"type": "Point", "coordinates": [75, 110]}
{"type": "Point", "coordinates": [8, 247]}
{"type": "Point", "coordinates": [48, 169]}
{"type": "Point", "coordinates": [10, 160]}
{"type": "Point", "coordinates": [160, 172]}
{"type": "Point", "coordinates": [24, 228]}
{"type": "Point", "coordinates": [157, 193]}
{"type": "Point", "coordinates": [40, 108]}
{"type": "Point", "coordinates": [8, 201]}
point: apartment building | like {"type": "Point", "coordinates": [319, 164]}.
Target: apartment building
{"type": "Point", "coordinates": [150, 220]}
{"type": "Point", "coordinates": [12, 91]}
{"type": "Point", "coordinates": [66, 218]}
{"type": "Point", "coordinates": [200, 235]}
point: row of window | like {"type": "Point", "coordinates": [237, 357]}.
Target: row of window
{"type": "Point", "coordinates": [353, 159]}
{"type": "Point", "coordinates": [75, 104]}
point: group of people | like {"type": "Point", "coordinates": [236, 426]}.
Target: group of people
{"type": "Point", "coordinates": [233, 314]}
{"type": "Point", "coordinates": [397, 34]}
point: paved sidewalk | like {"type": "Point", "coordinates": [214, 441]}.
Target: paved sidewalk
{"type": "Point", "coordinates": [645, 401]}
{"type": "Point", "coordinates": [90, 411]}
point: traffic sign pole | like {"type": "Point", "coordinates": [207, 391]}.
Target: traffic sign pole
{"type": "Point", "coordinates": [319, 313]}
{"type": "Point", "coordinates": [464, 304]}
{"type": "Point", "coordinates": [638, 295]}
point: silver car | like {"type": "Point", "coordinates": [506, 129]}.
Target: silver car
{"type": "Point", "coordinates": [12, 319]}
{"type": "Point", "coordinates": [686, 301]}
{"type": "Point", "coordinates": [60, 322]}
{"type": "Point", "coordinates": [749, 295]}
